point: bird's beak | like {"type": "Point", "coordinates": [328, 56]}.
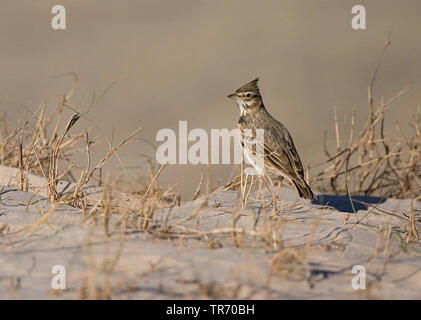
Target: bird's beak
{"type": "Point", "coordinates": [232, 96]}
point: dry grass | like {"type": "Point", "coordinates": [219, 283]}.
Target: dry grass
{"type": "Point", "coordinates": [40, 146]}
{"type": "Point", "coordinates": [367, 163]}
{"type": "Point", "coordinates": [370, 163]}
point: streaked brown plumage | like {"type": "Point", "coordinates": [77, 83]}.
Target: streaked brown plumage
{"type": "Point", "coordinates": [280, 156]}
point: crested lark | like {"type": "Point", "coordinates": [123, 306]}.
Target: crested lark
{"type": "Point", "coordinates": [280, 156]}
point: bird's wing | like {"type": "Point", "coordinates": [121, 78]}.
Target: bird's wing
{"type": "Point", "coordinates": [280, 153]}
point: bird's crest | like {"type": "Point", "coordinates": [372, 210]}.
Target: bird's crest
{"type": "Point", "coordinates": [250, 87]}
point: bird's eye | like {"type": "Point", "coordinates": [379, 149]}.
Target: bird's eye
{"type": "Point", "coordinates": [248, 95]}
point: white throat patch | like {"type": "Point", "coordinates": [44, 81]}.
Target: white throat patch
{"type": "Point", "coordinates": [240, 105]}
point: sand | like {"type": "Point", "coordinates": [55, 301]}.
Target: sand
{"type": "Point", "coordinates": [308, 254]}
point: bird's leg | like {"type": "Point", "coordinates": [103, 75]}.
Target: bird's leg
{"type": "Point", "coordinates": [278, 190]}
{"type": "Point", "coordinates": [269, 185]}
{"type": "Point", "coordinates": [241, 182]}
{"type": "Point", "coordinates": [259, 191]}
{"type": "Point", "coordinates": [269, 179]}
{"type": "Point", "coordinates": [243, 192]}
{"type": "Point", "coordinates": [249, 191]}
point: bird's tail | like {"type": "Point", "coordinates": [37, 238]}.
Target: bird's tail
{"type": "Point", "coordinates": [304, 189]}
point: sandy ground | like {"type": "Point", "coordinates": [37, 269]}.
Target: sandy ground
{"type": "Point", "coordinates": [308, 253]}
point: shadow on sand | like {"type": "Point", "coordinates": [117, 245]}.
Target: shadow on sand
{"type": "Point", "coordinates": [342, 203]}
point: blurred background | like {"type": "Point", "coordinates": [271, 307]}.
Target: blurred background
{"type": "Point", "coordinates": [177, 60]}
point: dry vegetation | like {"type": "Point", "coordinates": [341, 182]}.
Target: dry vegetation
{"type": "Point", "coordinates": [45, 146]}
{"type": "Point", "coordinates": [369, 163]}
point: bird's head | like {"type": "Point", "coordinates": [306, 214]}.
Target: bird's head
{"type": "Point", "coordinates": [248, 97]}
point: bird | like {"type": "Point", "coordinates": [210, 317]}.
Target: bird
{"type": "Point", "coordinates": [281, 158]}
